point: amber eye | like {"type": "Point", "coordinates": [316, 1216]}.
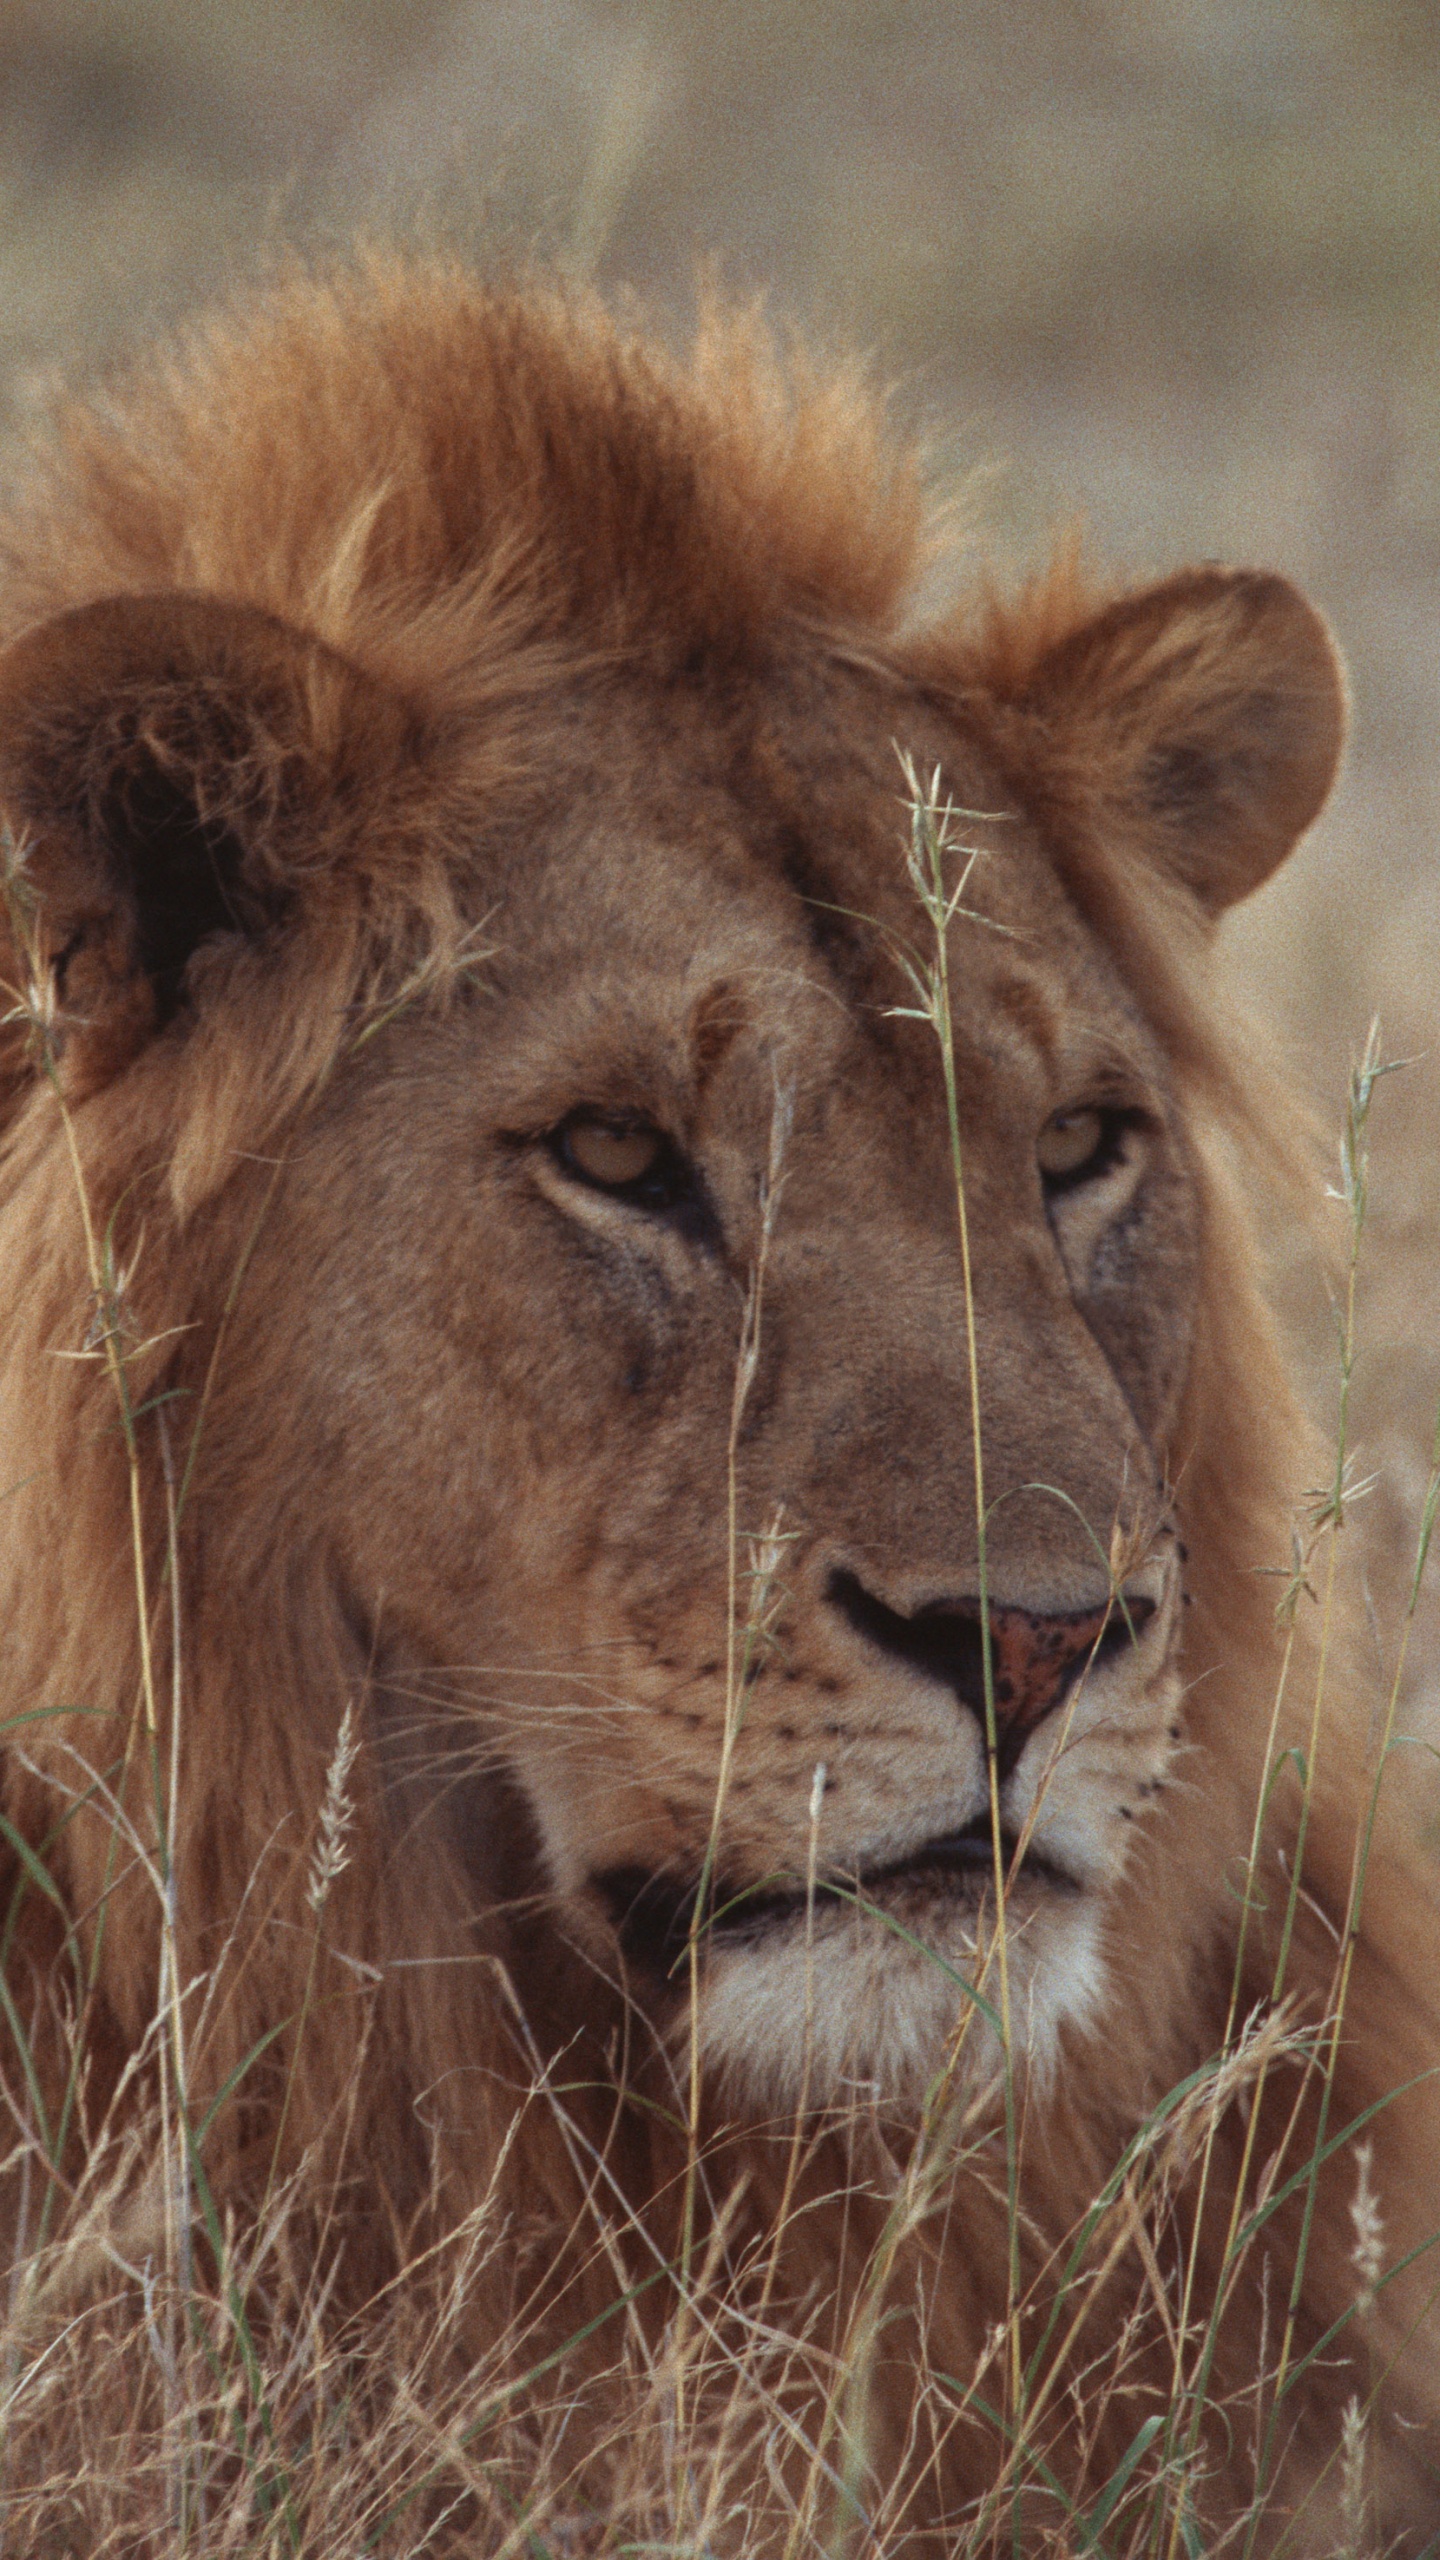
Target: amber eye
{"type": "Point", "coordinates": [1072, 1142]}
{"type": "Point", "coordinates": [614, 1154]}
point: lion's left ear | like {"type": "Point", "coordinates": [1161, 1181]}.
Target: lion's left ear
{"type": "Point", "coordinates": [1211, 711]}
{"type": "Point", "coordinates": [182, 776]}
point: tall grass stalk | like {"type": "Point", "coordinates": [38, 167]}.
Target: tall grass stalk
{"type": "Point", "coordinates": [940, 864]}
{"type": "Point", "coordinates": [747, 1633]}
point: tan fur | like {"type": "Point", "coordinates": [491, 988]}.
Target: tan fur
{"type": "Point", "coordinates": [400, 621]}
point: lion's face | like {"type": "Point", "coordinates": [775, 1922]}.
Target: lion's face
{"type": "Point", "coordinates": [636, 1327]}
{"type": "Point", "coordinates": [604, 1342]}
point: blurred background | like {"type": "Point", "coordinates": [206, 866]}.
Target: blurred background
{"type": "Point", "coordinates": [1172, 266]}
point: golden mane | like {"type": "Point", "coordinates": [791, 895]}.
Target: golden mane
{"type": "Point", "coordinates": [479, 459]}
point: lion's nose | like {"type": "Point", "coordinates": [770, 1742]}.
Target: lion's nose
{"type": "Point", "coordinates": [1033, 1656]}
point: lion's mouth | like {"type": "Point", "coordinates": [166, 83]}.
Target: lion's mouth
{"type": "Point", "coordinates": [655, 1915]}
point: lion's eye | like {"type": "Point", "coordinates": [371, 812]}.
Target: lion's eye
{"type": "Point", "coordinates": [619, 1155]}
{"type": "Point", "coordinates": [1073, 1143]}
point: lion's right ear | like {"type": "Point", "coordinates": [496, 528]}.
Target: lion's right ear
{"type": "Point", "coordinates": [176, 770]}
{"type": "Point", "coordinates": [1205, 716]}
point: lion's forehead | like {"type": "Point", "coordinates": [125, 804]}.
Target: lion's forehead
{"type": "Point", "coordinates": [647, 931]}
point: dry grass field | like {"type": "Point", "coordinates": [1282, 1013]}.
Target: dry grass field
{"type": "Point", "coordinates": [1168, 269]}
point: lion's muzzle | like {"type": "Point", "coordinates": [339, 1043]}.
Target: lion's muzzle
{"type": "Point", "coordinates": [1033, 1658]}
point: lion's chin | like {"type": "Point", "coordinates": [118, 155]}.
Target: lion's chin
{"type": "Point", "coordinates": [870, 2007]}
{"type": "Point", "coordinates": [865, 1992]}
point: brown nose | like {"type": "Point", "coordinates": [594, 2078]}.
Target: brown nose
{"type": "Point", "coordinates": [1033, 1657]}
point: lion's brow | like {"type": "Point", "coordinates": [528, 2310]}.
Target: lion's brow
{"type": "Point", "coordinates": [719, 1017]}
{"type": "Point", "coordinates": [1033, 1012]}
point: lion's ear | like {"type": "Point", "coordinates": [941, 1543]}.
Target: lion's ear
{"type": "Point", "coordinates": [1212, 709]}
{"type": "Point", "coordinates": [175, 769]}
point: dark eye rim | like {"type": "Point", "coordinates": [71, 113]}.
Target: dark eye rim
{"type": "Point", "coordinates": [1118, 1122]}
{"type": "Point", "coordinates": [666, 1184]}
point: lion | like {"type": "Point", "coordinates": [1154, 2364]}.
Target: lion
{"type": "Point", "coordinates": [642, 1436]}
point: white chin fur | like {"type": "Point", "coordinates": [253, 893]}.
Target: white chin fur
{"type": "Point", "coordinates": [854, 2015]}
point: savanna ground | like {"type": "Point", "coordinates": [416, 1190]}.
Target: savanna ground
{"type": "Point", "coordinates": [1169, 267]}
